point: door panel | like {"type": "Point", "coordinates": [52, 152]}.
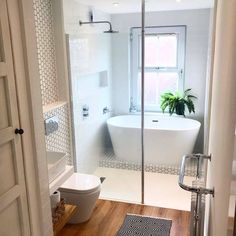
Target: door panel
{"type": "Point", "coordinates": [1, 45]}
{"type": "Point", "coordinates": [10, 214]}
{"type": "Point", "coordinates": [4, 118]}
{"type": "Point", "coordinates": [13, 200]}
{"type": "Point", "coordinates": [7, 168]}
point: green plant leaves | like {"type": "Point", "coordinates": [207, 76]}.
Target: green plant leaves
{"type": "Point", "coordinates": [177, 102]}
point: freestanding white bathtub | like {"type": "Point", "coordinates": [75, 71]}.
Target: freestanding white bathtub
{"type": "Point", "coordinates": [166, 138]}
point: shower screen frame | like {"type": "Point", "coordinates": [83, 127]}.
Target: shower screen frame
{"type": "Point", "coordinates": [142, 98]}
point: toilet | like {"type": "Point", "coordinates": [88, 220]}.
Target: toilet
{"type": "Point", "coordinates": [83, 191]}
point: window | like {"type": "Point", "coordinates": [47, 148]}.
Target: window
{"type": "Point", "coordinates": [164, 64]}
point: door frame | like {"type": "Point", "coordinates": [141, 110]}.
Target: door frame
{"type": "Point", "coordinates": [24, 46]}
{"type": "Point", "coordinates": [221, 81]}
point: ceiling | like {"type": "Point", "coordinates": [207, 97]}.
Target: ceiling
{"type": "Point", "coordinates": [128, 6]}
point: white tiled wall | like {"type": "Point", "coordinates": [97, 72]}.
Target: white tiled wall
{"type": "Point", "coordinates": [90, 65]}
{"type": "Point", "coordinates": [44, 22]}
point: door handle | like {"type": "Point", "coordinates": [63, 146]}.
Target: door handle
{"type": "Point", "coordinates": [19, 131]}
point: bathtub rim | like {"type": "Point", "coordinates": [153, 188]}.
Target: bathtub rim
{"type": "Point", "coordinates": [197, 123]}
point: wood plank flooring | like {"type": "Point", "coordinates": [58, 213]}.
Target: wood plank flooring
{"type": "Point", "coordinates": [109, 215]}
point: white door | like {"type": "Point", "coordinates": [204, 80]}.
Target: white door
{"type": "Point", "coordinates": [14, 219]}
{"type": "Point", "coordinates": [222, 117]}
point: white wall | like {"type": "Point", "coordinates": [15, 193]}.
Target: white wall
{"type": "Point", "coordinates": [197, 22]}
{"type": "Point", "coordinates": [90, 55]}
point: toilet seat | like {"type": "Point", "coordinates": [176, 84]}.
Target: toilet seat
{"type": "Point", "coordinates": [81, 183]}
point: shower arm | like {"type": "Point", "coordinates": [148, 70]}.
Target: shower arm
{"type": "Point", "coordinates": [96, 22]}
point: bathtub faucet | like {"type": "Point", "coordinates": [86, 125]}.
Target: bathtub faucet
{"type": "Point", "coordinates": [105, 110]}
{"type": "Point", "coordinates": [132, 108]}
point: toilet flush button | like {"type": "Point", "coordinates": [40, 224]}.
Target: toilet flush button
{"type": "Point", "coordinates": [51, 125]}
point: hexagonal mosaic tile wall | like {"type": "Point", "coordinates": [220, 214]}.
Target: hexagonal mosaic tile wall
{"type": "Point", "coordinates": [60, 140]}
{"type": "Point", "coordinates": [46, 50]}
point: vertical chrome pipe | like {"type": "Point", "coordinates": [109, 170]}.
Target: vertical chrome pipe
{"type": "Point", "coordinates": [142, 96]}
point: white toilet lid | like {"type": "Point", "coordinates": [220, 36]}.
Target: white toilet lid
{"type": "Point", "coordinates": [81, 183]}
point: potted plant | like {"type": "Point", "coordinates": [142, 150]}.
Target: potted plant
{"type": "Point", "coordinates": [178, 102]}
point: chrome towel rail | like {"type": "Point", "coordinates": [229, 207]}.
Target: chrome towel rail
{"type": "Point", "coordinates": [200, 190]}
{"type": "Point", "coordinates": [198, 193]}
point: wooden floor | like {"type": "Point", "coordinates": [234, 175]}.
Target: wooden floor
{"type": "Point", "coordinates": [108, 217]}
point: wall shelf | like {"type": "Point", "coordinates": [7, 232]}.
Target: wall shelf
{"type": "Point", "coordinates": [53, 106]}
{"type": "Point", "coordinates": [70, 210]}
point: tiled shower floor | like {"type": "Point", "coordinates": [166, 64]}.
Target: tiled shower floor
{"type": "Point", "coordinates": [161, 190]}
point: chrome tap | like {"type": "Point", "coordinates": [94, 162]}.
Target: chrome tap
{"type": "Point", "coordinates": [132, 108]}
{"type": "Point", "coordinates": [106, 110]}
{"type": "Point", "coordinates": [85, 111]}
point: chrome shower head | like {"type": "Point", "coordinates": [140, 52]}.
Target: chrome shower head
{"type": "Point", "coordinates": [110, 31]}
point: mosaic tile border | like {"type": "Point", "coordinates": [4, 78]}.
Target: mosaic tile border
{"type": "Point", "coordinates": [111, 161]}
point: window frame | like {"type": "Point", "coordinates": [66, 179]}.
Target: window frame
{"type": "Point", "coordinates": [135, 35]}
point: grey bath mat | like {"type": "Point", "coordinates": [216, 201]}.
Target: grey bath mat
{"type": "Point", "coordinates": [136, 225]}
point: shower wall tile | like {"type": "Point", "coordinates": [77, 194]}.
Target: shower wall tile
{"type": "Point", "coordinates": [60, 140]}
{"type": "Point", "coordinates": [91, 82]}
{"type": "Point", "coordinates": [46, 50]}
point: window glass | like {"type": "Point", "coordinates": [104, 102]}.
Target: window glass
{"type": "Point", "coordinates": [166, 51]}
{"type": "Point", "coordinates": [151, 51]}
{"type": "Point", "coordinates": [160, 51]}
{"type": "Point", "coordinates": [156, 84]}
{"type": "Point", "coordinates": [164, 64]}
